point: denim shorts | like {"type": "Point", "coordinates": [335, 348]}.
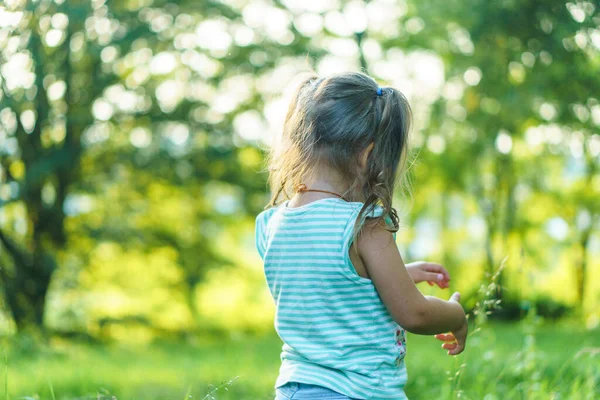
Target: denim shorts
{"type": "Point", "coordinates": [305, 391]}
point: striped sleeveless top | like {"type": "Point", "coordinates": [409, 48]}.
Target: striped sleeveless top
{"type": "Point", "coordinates": [335, 329]}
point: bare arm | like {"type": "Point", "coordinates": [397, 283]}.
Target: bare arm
{"type": "Point", "coordinates": [416, 313]}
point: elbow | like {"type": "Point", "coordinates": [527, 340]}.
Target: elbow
{"type": "Point", "coordinates": [415, 321]}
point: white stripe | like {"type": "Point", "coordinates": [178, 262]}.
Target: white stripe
{"type": "Point", "coordinates": [310, 246]}
{"type": "Point", "coordinates": [307, 254]}
{"type": "Point", "coordinates": [310, 277]}
{"type": "Point", "coordinates": [310, 300]}
{"type": "Point", "coordinates": [308, 311]}
{"type": "Point", "coordinates": [349, 291]}
{"type": "Point", "coordinates": [347, 319]}
{"type": "Point", "coordinates": [313, 269]}
{"type": "Point", "coordinates": [314, 237]}
{"type": "Point", "coordinates": [339, 351]}
{"type": "Point", "coordinates": [391, 327]}
{"type": "Point", "coordinates": [309, 230]}
{"type": "Point", "coordinates": [325, 222]}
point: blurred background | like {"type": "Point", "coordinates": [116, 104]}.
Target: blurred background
{"type": "Point", "coordinates": [132, 143]}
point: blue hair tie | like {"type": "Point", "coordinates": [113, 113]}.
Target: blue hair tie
{"type": "Point", "coordinates": [379, 92]}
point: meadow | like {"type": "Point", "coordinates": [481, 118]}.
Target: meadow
{"type": "Point", "coordinates": [524, 360]}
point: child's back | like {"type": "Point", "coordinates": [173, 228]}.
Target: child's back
{"type": "Point", "coordinates": [343, 294]}
{"type": "Point", "coordinates": [336, 331]}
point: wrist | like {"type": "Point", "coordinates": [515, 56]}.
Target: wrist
{"type": "Point", "coordinates": [461, 317]}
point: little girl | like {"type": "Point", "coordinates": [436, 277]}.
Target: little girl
{"type": "Point", "coordinates": [343, 295]}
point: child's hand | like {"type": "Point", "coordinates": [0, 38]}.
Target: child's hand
{"type": "Point", "coordinates": [431, 273]}
{"type": "Point", "coordinates": [456, 341]}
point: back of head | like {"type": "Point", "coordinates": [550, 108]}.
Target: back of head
{"type": "Point", "coordinates": [332, 121]}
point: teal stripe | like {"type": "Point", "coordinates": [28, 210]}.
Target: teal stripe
{"type": "Point", "coordinates": [319, 308]}
{"type": "Point", "coordinates": [331, 330]}
{"type": "Point", "coordinates": [333, 297]}
{"type": "Point", "coordinates": [310, 278]}
{"type": "Point", "coordinates": [303, 321]}
{"type": "Point", "coordinates": [347, 291]}
{"type": "Point", "coordinates": [304, 284]}
{"type": "Point", "coordinates": [355, 341]}
{"type": "Point", "coordinates": [312, 302]}
{"type": "Point", "coordinates": [325, 276]}
{"type": "Point", "coordinates": [305, 242]}
{"type": "Point", "coordinates": [322, 223]}
{"type": "Point", "coordinates": [303, 250]}
{"type": "Point", "coordinates": [329, 281]}
{"type": "Point", "coordinates": [318, 262]}
{"type": "Point", "coordinates": [337, 234]}
{"type": "Point", "coordinates": [349, 354]}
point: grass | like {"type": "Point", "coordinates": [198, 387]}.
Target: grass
{"type": "Point", "coordinates": [502, 361]}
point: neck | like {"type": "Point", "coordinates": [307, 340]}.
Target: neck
{"type": "Point", "coordinates": [323, 179]}
{"type": "Point", "coordinates": [322, 184]}
{"type": "Point", "coordinates": [327, 179]}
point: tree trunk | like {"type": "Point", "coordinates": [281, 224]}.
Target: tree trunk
{"type": "Point", "coordinates": [27, 284]}
{"type": "Point", "coordinates": [506, 165]}
{"type": "Point", "coordinates": [27, 287]}
{"type": "Point", "coordinates": [581, 268]}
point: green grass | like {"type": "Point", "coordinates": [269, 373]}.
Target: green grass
{"type": "Point", "coordinates": [503, 361]}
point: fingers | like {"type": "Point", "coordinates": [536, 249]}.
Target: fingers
{"type": "Point", "coordinates": [450, 346]}
{"type": "Point", "coordinates": [444, 284]}
{"type": "Point", "coordinates": [453, 348]}
{"type": "Point", "coordinates": [451, 343]}
{"type": "Point", "coordinates": [445, 337]}
{"type": "Point", "coordinates": [433, 267]}
{"type": "Point", "coordinates": [455, 297]}
{"type": "Point", "coordinates": [433, 277]}
{"type": "Point", "coordinates": [436, 278]}
{"type": "Point", "coordinates": [456, 350]}
{"type": "Point", "coordinates": [461, 339]}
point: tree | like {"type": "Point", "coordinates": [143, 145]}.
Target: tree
{"type": "Point", "coordinates": [521, 67]}
{"type": "Point", "coordinates": [118, 98]}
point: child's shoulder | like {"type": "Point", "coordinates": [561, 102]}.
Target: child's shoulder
{"type": "Point", "coordinates": [373, 211]}
{"type": "Point", "coordinates": [263, 217]}
{"type": "Point", "coordinates": [371, 214]}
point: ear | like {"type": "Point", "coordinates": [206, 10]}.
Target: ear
{"type": "Point", "coordinates": [364, 156]}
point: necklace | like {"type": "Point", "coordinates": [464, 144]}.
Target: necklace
{"type": "Point", "coordinates": [302, 188]}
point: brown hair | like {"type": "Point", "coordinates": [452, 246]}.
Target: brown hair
{"type": "Point", "coordinates": [332, 121]}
